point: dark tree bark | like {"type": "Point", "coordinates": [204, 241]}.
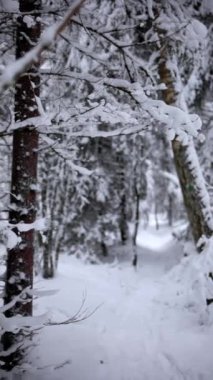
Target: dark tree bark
{"type": "Point", "coordinates": [123, 225]}
{"type": "Point", "coordinates": [136, 223]}
{"type": "Point", "coordinates": [19, 271]}
{"type": "Point", "coordinates": [123, 220]}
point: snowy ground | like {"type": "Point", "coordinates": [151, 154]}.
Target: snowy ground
{"type": "Point", "coordinates": [143, 328]}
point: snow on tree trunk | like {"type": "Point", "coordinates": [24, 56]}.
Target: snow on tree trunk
{"type": "Point", "coordinates": [192, 183]}
{"type": "Point", "coordinates": [192, 189]}
{"type": "Point", "coordinates": [19, 272]}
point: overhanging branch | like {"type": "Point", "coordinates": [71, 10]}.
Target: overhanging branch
{"type": "Point", "coordinates": [17, 68]}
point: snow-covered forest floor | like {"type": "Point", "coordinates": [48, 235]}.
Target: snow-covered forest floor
{"type": "Point", "coordinates": [146, 323]}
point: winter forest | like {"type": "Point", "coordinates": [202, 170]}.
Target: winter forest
{"type": "Point", "coordinates": [106, 190]}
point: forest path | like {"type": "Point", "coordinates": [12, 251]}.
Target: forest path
{"type": "Point", "coordinates": [137, 332]}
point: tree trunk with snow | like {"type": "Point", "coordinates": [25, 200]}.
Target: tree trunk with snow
{"type": "Point", "coordinates": [19, 272]}
{"type": "Point", "coordinates": [191, 189]}
{"type": "Point", "coordinates": [195, 195]}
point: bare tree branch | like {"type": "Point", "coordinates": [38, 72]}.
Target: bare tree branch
{"type": "Point", "coordinates": [15, 69]}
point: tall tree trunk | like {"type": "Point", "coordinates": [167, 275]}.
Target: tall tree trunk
{"type": "Point", "coordinates": [188, 169]}
{"type": "Point", "coordinates": [19, 271]}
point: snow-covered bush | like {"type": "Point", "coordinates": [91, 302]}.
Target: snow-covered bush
{"type": "Point", "coordinates": [192, 281]}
